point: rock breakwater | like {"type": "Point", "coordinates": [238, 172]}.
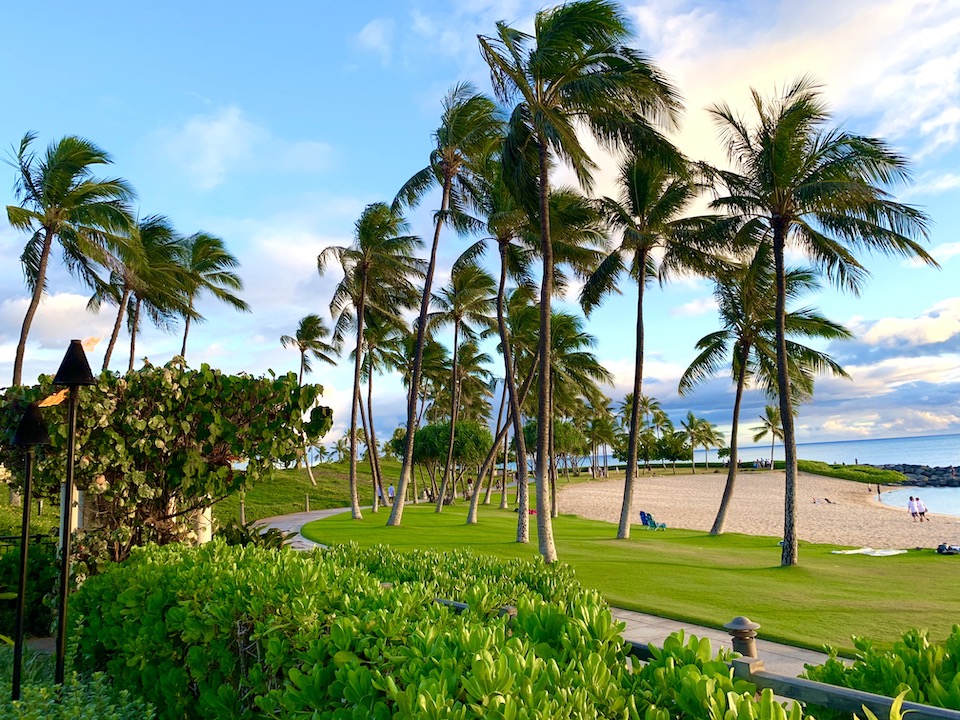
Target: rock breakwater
{"type": "Point", "coordinates": [926, 476]}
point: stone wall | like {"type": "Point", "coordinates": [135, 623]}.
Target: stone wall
{"type": "Point", "coordinates": [926, 476]}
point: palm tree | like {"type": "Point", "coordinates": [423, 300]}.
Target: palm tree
{"type": "Point", "coordinates": [162, 294]}
{"type": "Point", "coordinates": [145, 267]}
{"type": "Point", "coordinates": [574, 72]}
{"type": "Point", "coordinates": [310, 341]}
{"type": "Point", "coordinates": [822, 190]}
{"type": "Point", "coordinates": [377, 272]}
{"type": "Point", "coordinates": [60, 199]}
{"type": "Point", "coordinates": [652, 198]}
{"type": "Point", "coordinates": [467, 302]}
{"type": "Point", "coordinates": [470, 129]}
{"type": "Point", "coordinates": [771, 424]}
{"type": "Point", "coordinates": [746, 300]}
{"type": "Point", "coordinates": [210, 268]}
{"type": "Point", "coordinates": [702, 433]}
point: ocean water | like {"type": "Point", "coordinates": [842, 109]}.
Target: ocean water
{"type": "Point", "coordinates": [937, 500]}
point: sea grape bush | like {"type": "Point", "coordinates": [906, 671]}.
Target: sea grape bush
{"type": "Point", "coordinates": [248, 632]}
{"type": "Point", "coordinates": [920, 670]}
{"type": "Point", "coordinates": [155, 444]}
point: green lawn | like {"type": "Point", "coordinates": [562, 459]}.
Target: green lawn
{"type": "Point", "coordinates": [11, 518]}
{"type": "Point", "coordinates": [690, 575]}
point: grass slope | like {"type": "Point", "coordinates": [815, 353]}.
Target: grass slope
{"type": "Point", "coordinates": [285, 493]}
{"type": "Point", "coordinates": [693, 576]}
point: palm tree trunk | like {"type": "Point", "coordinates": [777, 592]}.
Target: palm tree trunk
{"type": "Point", "coordinates": [186, 329]}
{"type": "Point", "coordinates": [372, 437]}
{"type": "Point", "coordinates": [448, 467]}
{"type": "Point", "coordinates": [523, 501]}
{"type": "Point", "coordinates": [134, 326]}
{"type": "Point", "coordinates": [116, 326]}
{"type": "Point", "coordinates": [626, 509]}
{"type": "Point", "coordinates": [373, 471]}
{"type": "Point", "coordinates": [789, 554]}
{"type": "Point", "coordinates": [545, 420]}
{"type": "Point", "coordinates": [773, 441]}
{"type": "Point", "coordinates": [32, 307]}
{"type": "Point", "coordinates": [721, 518]}
{"type": "Point", "coordinates": [396, 515]}
{"type": "Point", "coordinates": [554, 512]}
{"type": "Point", "coordinates": [354, 405]}
{"type": "Point", "coordinates": [496, 443]}
{"type": "Point", "coordinates": [506, 456]}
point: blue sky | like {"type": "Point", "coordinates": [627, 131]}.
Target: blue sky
{"type": "Point", "coordinates": [273, 126]}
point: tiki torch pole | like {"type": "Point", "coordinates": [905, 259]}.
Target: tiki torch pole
{"type": "Point", "coordinates": [74, 371]}
{"type": "Point", "coordinates": [30, 432]}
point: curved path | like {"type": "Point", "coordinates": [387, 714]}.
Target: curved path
{"type": "Point", "coordinates": [640, 627]}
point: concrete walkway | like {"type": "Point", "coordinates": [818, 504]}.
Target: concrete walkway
{"type": "Point", "coordinates": [640, 627]}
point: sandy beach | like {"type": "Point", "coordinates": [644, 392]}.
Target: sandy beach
{"type": "Point", "coordinates": [853, 517]}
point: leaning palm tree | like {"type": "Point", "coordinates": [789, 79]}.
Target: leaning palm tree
{"type": "Point", "coordinates": [310, 340]}
{"type": "Point", "coordinates": [573, 72]}
{"type": "Point", "coordinates": [466, 304]}
{"type": "Point", "coordinates": [210, 268]}
{"type": "Point", "coordinates": [746, 301]}
{"type": "Point", "coordinates": [378, 270]}
{"type": "Point", "coordinates": [470, 130]}
{"type": "Point", "coordinates": [161, 293]}
{"type": "Point", "coordinates": [770, 424]}
{"type": "Point", "coordinates": [648, 214]}
{"type": "Point", "coordinates": [148, 258]}
{"type": "Point", "coordinates": [60, 199]}
{"type": "Point", "coordinates": [821, 190]}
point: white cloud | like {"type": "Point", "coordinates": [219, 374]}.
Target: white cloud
{"type": "Point", "coordinates": [938, 324]}
{"type": "Point", "coordinates": [933, 184]}
{"type": "Point", "coordinates": [377, 36]}
{"type": "Point", "coordinates": [210, 148]}
{"type": "Point", "coordinates": [698, 306]}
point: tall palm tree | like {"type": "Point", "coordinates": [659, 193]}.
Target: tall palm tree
{"type": "Point", "coordinates": [466, 303]}
{"type": "Point", "coordinates": [310, 340]}
{"type": "Point", "coordinates": [60, 199]}
{"type": "Point", "coordinates": [470, 130]}
{"type": "Point", "coordinates": [648, 214]}
{"type": "Point", "coordinates": [146, 267]}
{"type": "Point", "coordinates": [770, 424]}
{"type": "Point", "coordinates": [378, 270]}
{"type": "Point", "coordinates": [210, 268]}
{"type": "Point", "coordinates": [822, 190]}
{"type": "Point", "coordinates": [575, 71]}
{"type": "Point", "coordinates": [746, 301]}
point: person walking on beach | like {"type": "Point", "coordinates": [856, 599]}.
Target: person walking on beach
{"type": "Point", "coordinates": [921, 510]}
{"type": "Point", "coordinates": [912, 507]}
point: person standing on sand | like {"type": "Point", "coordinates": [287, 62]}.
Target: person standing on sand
{"type": "Point", "coordinates": [921, 510]}
{"type": "Point", "coordinates": [912, 507]}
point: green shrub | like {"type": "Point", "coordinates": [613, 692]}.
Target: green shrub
{"type": "Point", "coordinates": [222, 631]}
{"type": "Point", "coordinates": [921, 671]}
{"type": "Point", "coordinates": [42, 574]}
{"type": "Point", "coordinates": [857, 473]}
{"type": "Point", "coordinates": [233, 533]}
{"type": "Point", "coordinates": [81, 699]}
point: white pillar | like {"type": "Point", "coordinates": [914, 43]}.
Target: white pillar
{"type": "Point", "coordinates": [72, 506]}
{"type": "Point", "coordinates": [203, 525]}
